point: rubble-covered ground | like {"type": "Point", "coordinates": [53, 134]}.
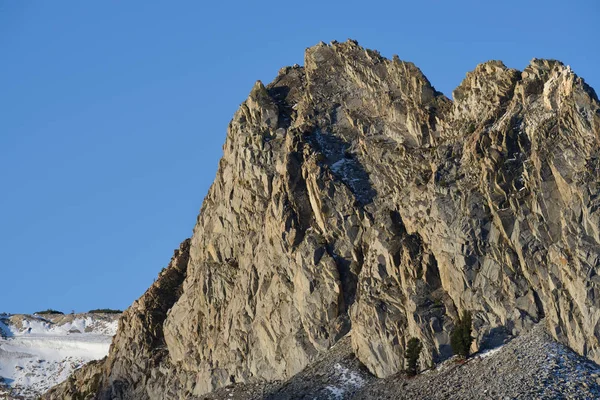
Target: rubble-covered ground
{"type": "Point", "coordinates": [532, 366]}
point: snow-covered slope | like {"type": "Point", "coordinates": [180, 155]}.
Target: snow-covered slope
{"type": "Point", "coordinates": [38, 352]}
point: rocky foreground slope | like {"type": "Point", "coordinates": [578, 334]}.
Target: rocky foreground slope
{"type": "Point", "coordinates": [352, 197]}
{"type": "Point", "coordinates": [532, 366]}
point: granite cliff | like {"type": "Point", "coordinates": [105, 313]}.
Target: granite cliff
{"type": "Point", "coordinates": [353, 199]}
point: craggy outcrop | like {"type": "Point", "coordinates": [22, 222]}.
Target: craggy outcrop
{"type": "Point", "coordinates": [352, 196]}
{"type": "Point", "coordinates": [138, 349]}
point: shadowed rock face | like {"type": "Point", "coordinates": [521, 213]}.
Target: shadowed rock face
{"type": "Point", "coordinates": [352, 196]}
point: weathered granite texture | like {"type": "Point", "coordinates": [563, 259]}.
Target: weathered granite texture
{"type": "Point", "coordinates": [352, 196]}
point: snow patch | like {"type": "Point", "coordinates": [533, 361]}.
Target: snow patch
{"type": "Point", "coordinates": [338, 165]}
{"type": "Point", "coordinates": [40, 326]}
{"type": "Point", "coordinates": [490, 352]}
{"type": "Point", "coordinates": [348, 377]}
{"type": "Point", "coordinates": [336, 392]}
{"type": "Point", "coordinates": [346, 381]}
{"type": "Point", "coordinates": [36, 353]}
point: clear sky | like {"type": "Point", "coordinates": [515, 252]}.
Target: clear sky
{"type": "Point", "coordinates": [113, 113]}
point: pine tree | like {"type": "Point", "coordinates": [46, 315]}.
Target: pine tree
{"type": "Point", "coordinates": [461, 338]}
{"type": "Point", "coordinates": [413, 350]}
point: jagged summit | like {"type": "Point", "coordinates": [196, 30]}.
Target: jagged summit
{"type": "Point", "coordinates": [353, 198]}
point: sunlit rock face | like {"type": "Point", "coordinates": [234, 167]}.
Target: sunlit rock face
{"type": "Point", "coordinates": [352, 197]}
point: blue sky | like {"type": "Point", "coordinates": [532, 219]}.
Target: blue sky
{"type": "Point", "coordinates": [113, 114]}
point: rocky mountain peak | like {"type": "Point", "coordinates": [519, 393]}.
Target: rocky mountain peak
{"type": "Point", "coordinates": [354, 199]}
{"type": "Point", "coordinates": [485, 92]}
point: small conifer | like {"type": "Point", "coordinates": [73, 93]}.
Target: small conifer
{"type": "Point", "coordinates": [413, 350]}
{"type": "Point", "coordinates": [461, 338]}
